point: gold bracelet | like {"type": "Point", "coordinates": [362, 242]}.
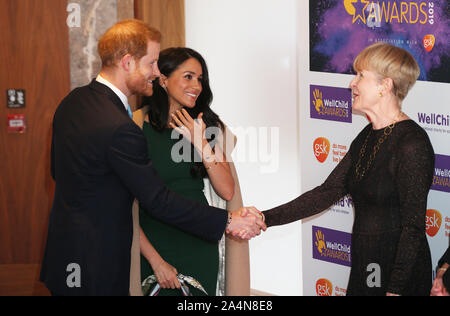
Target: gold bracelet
{"type": "Point", "coordinates": [215, 164]}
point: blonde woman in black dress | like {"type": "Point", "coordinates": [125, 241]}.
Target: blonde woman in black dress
{"type": "Point", "coordinates": [388, 172]}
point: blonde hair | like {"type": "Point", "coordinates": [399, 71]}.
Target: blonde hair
{"type": "Point", "coordinates": [390, 61]}
{"type": "Point", "coordinates": [126, 37]}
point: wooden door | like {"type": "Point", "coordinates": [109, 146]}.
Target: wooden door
{"type": "Point", "coordinates": [166, 16]}
{"type": "Point", "coordinates": [34, 57]}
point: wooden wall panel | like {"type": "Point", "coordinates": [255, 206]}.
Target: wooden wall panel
{"type": "Point", "coordinates": [34, 57]}
{"type": "Point", "coordinates": [125, 9]}
{"type": "Point", "coordinates": [167, 16]}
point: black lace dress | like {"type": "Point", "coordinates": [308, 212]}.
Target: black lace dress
{"type": "Point", "coordinates": [390, 204]}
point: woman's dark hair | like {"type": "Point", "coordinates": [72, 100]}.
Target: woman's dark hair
{"type": "Point", "coordinates": [169, 60]}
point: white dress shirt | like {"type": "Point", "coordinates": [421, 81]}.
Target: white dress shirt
{"type": "Point", "coordinates": [117, 91]}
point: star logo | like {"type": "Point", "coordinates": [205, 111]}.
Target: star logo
{"type": "Point", "coordinates": [360, 10]}
{"type": "Point", "coordinates": [348, 4]}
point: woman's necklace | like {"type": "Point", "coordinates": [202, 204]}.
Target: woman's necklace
{"type": "Point", "coordinates": [361, 172]}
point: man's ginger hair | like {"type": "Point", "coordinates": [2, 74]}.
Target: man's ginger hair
{"type": "Point", "coordinates": [126, 37]}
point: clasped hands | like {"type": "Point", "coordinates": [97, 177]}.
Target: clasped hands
{"type": "Point", "coordinates": [245, 223]}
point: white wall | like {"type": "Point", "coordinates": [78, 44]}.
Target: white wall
{"type": "Point", "coordinates": [250, 48]}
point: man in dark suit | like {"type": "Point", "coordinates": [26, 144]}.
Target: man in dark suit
{"type": "Point", "coordinates": [100, 163]}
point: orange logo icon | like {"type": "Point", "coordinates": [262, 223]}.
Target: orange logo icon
{"type": "Point", "coordinates": [433, 222]}
{"type": "Point", "coordinates": [428, 42]}
{"type": "Point", "coordinates": [321, 149]}
{"type": "Point", "coordinates": [324, 287]}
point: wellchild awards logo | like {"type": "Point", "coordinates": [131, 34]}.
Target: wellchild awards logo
{"type": "Point", "coordinates": [441, 178]}
{"type": "Point", "coordinates": [330, 103]}
{"type": "Point", "coordinates": [331, 246]}
{"type": "Point", "coordinates": [375, 14]}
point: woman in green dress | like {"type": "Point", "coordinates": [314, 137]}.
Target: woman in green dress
{"type": "Point", "coordinates": [183, 154]}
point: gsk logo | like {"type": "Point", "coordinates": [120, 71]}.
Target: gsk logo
{"type": "Point", "coordinates": [433, 222]}
{"type": "Point", "coordinates": [428, 42]}
{"type": "Point", "coordinates": [324, 287]}
{"type": "Point", "coordinates": [321, 149]}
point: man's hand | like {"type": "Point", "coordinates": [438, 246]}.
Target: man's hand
{"type": "Point", "coordinates": [438, 288]}
{"type": "Point", "coordinates": [246, 223]}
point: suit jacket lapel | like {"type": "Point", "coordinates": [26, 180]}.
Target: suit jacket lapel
{"type": "Point", "coordinates": [101, 88]}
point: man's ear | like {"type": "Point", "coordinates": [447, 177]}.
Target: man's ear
{"type": "Point", "coordinates": [128, 63]}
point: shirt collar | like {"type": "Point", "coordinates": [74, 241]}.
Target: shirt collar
{"type": "Point", "coordinates": [116, 90]}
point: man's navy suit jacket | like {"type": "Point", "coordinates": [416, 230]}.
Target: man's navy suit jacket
{"type": "Point", "coordinates": [100, 164]}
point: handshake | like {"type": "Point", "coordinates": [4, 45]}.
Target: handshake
{"type": "Point", "coordinates": [245, 223]}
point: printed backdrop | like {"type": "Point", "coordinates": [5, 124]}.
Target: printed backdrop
{"type": "Point", "coordinates": [339, 30]}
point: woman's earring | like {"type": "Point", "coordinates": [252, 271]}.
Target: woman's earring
{"type": "Point", "coordinates": [381, 94]}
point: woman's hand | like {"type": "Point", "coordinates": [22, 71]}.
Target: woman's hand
{"type": "Point", "coordinates": [164, 272]}
{"type": "Point", "coordinates": [193, 130]}
{"type": "Point", "coordinates": [166, 275]}
{"type": "Point", "coordinates": [218, 170]}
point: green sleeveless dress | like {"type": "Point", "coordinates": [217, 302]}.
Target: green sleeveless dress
{"type": "Point", "coordinates": [190, 255]}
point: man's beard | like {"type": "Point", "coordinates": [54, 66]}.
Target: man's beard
{"type": "Point", "coordinates": [138, 84]}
